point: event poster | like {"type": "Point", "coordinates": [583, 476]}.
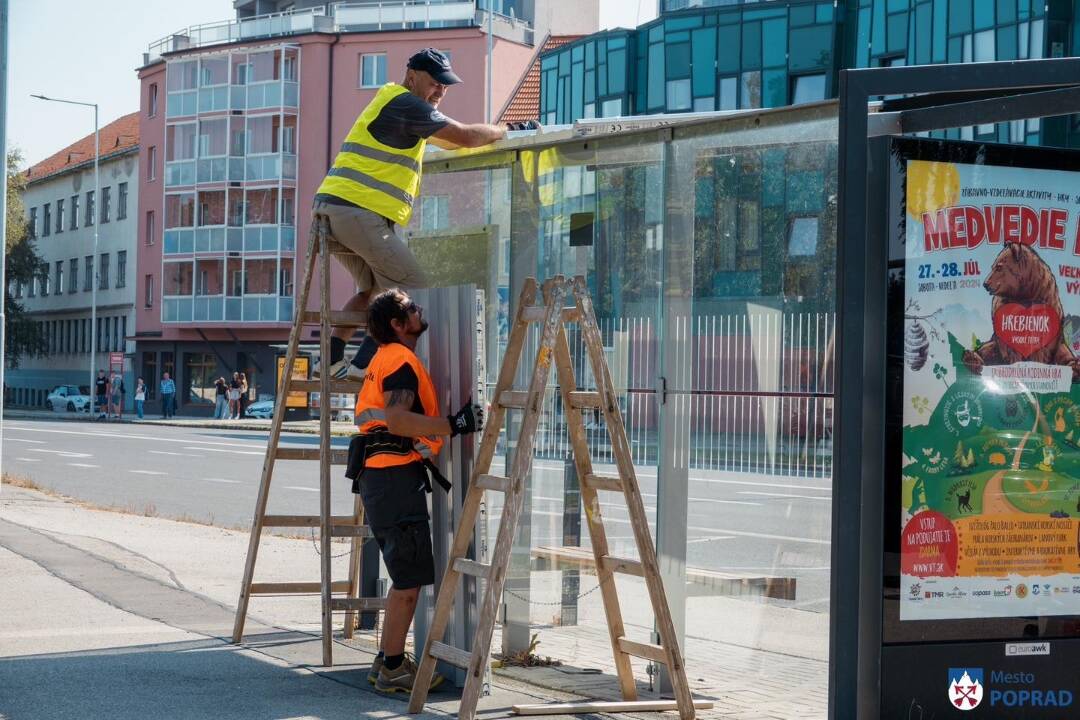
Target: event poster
{"type": "Point", "coordinates": [990, 500]}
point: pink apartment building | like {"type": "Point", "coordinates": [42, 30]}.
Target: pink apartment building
{"type": "Point", "coordinates": [235, 138]}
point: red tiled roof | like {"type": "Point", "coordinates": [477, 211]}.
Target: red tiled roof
{"type": "Point", "coordinates": [121, 134]}
{"type": "Point", "coordinates": [524, 103]}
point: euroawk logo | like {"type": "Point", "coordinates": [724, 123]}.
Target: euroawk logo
{"type": "Point", "coordinates": [965, 687]}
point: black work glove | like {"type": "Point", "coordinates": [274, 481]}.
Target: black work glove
{"type": "Point", "coordinates": [467, 420]}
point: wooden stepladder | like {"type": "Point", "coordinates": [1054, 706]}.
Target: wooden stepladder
{"type": "Point", "coordinates": [350, 526]}
{"type": "Point", "coordinates": [553, 348]}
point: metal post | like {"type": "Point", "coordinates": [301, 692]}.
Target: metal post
{"type": "Point", "coordinates": [3, 205]}
{"type": "Point", "coordinates": [490, 65]}
{"type": "Point", "coordinates": [95, 216]}
{"type": "Point", "coordinates": [571, 580]}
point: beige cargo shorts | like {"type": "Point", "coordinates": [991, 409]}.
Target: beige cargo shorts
{"type": "Point", "coordinates": [369, 247]}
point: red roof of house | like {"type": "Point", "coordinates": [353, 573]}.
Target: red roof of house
{"type": "Point", "coordinates": [121, 134]}
{"type": "Point", "coordinates": [524, 103]}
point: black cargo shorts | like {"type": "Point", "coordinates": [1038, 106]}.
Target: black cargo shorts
{"type": "Point", "coordinates": [395, 505]}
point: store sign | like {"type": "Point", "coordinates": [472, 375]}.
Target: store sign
{"type": "Point", "coordinates": [296, 399]}
{"type": "Point", "coordinates": [990, 509]}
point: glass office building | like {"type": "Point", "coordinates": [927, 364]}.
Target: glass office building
{"type": "Point", "coordinates": [703, 55]}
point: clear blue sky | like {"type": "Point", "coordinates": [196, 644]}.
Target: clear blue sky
{"type": "Point", "coordinates": [89, 51]}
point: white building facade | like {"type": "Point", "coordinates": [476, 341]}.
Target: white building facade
{"type": "Point", "coordinates": [63, 213]}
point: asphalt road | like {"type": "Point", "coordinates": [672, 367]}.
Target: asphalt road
{"type": "Point", "coordinates": [737, 522]}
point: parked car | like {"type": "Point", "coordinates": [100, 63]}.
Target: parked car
{"type": "Point", "coordinates": [263, 409]}
{"type": "Point", "coordinates": [67, 398]}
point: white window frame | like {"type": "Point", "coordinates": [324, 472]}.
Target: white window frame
{"type": "Point", "coordinates": [374, 81]}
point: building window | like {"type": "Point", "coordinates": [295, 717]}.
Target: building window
{"type": "Point", "coordinates": [199, 376]}
{"type": "Point", "coordinates": [373, 70]}
{"type": "Point", "coordinates": [678, 95]}
{"type": "Point", "coordinates": [31, 288]}
{"type": "Point", "coordinates": [32, 223]}
{"type": "Point", "coordinates": [73, 275]}
{"type": "Point", "coordinates": [117, 339]}
{"type": "Point", "coordinates": [151, 100]}
{"type": "Point", "coordinates": [149, 374]}
{"type": "Point", "coordinates": [86, 335]}
{"type": "Point", "coordinates": [121, 268]}
{"type": "Point", "coordinates": [803, 237]}
{"type": "Point", "coordinates": [121, 201]}
{"type": "Point", "coordinates": [807, 88]}
{"type": "Point", "coordinates": [89, 208]}
{"type": "Point", "coordinates": [148, 287]}
{"type": "Point", "coordinates": [74, 225]}
{"type": "Point", "coordinates": [59, 216]}
{"type": "Point", "coordinates": [151, 162]}
{"type": "Point", "coordinates": [434, 212]}
{"type": "Point", "coordinates": [46, 220]}
{"type": "Point", "coordinates": [288, 68]}
{"type": "Point", "coordinates": [88, 273]}
{"type": "Point", "coordinates": [59, 289]}
{"type": "Point", "coordinates": [103, 272]}
{"type": "Point", "coordinates": [106, 203]}
{"type": "Point", "coordinates": [43, 275]}
{"type": "Point", "coordinates": [150, 227]}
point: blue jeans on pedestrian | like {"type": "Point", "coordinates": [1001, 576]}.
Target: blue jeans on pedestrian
{"type": "Point", "coordinates": [221, 409]}
{"type": "Point", "coordinates": [167, 407]}
{"type": "Point", "coordinates": [139, 408]}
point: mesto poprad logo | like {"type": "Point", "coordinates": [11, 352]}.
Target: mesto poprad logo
{"type": "Point", "coordinates": [967, 690]}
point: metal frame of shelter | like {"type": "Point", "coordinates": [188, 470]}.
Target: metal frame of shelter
{"type": "Point", "coordinates": [938, 97]}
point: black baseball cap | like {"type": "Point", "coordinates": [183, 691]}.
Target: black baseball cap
{"type": "Point", "coordinates": [436, 64]}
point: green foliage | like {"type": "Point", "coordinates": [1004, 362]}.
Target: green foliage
{"type": "Point", "coordinates": [22, 265]}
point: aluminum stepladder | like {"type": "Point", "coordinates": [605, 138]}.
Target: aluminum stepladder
{"type": "Point", "coordinates": [553, 347]}
{"type": "Point", "coordinates": [349, 526]}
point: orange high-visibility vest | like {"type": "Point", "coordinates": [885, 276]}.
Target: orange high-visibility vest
{"type": "Point", "coordinates": [371, 408]}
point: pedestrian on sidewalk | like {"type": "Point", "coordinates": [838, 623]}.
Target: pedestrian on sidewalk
{"type": "Point", "coordinates": [101, 394]}
{"type": "Point", "coordinates": [401, 429]}
{"type": "Point", "coordinates": [168, 396]}
{"type": "Point", "coordinates": [221, 399]}
{"type": "Point", "coordinates": [140, 397]}
{"type": "Point", "coordinates": [243, 395]}
{"type": "Point", "coordinates": [369, 193]}
{"type": "Point", "coordinates": [234, 396]}
{"type": "Point", "coordinates": [116, 396]}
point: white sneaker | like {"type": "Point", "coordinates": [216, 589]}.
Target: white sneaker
{"type": "Point", "coordinates": [341, 370]}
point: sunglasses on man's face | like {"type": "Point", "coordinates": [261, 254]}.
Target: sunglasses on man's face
{"type": "Point", "coordinates": [412, 307]}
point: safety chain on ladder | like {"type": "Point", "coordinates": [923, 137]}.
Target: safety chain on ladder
{"type": "Point", "coordinates": [557, 602]}
{"type": "Point", "coordinates": [332, 557]}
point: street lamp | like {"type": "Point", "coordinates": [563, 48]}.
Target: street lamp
{"type": "Point", "coordinates": [95, 260]}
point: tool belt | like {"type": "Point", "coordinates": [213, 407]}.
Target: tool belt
{"type": "Point", "coordinates": [364, 445]}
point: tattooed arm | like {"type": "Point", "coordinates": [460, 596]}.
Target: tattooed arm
{"type": "Point", "coordinates": [401, 420]}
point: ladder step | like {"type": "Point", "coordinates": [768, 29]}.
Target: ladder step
{"type": "Point", "coordinates": [451, 654]}
{"type": "Point", "coordinates": [337, 457]}
{"type": "Point", "coordinates": [537, 313]}
{"type": "Point", "coordinates": [622, 565]}
{"type": "Point", "coordinates": [493, 482]}
{"type": "Point", "coordinates": [604, 482]}
{"type": "Point", "coordinates": [513, 399]}
{"type": "Point", "coordinates": [297, 588]}
{"type": "Point", "coordinates": [307, 521]}
{"type": "Point", "coordinates": [472, 567]}
{"type": "Point", "coordinates": [350, 387]}
{"type": "Point", "coordinates": [342, 318]}
{"type": "Point", "coordinates": [642, 650]}
{"type": "Point", "coordinates": [580, 399]}
{"type": "Point", "coordinates": [364, 604]}
{"type": "Point", "coordinates": [350, 530]}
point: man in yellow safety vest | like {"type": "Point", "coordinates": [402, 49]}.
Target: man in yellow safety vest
{"type": "Point", "coordinates": [370, 190]}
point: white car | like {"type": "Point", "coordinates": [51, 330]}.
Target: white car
{"type": "Point", "coordinates": [263, 409]}
{"type": "Point", "coordinates": [67, 398]}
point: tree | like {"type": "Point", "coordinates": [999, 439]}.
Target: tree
{"type": "Point", "coordinates": [22, 266]}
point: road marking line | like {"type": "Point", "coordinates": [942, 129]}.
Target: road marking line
{"type": "Point", "coordinates": [307, 489]}
{"type": "Point", "coordinates": [146, 472]}
{"type": "Point", "coordinates": [166, 452]}
{"type": "Point", "coordinates": [29, 459]}
{"type": "Point", "coordinates": [62, 453]}
{"type": "Point", "coordinates": [236, 452]}
{"type": "Point", "coordinates": [132, 437]}
{"type": "Point", "coordinates": [785, 495]}
{"type": "Point", "coordinates": [222, 480]}
{"type": "Point", "coordinates": [83, 465]}
{"type": "Point", "coordinates": [710, 539]}
{"type": "Point", "coordinates": [36, 442]}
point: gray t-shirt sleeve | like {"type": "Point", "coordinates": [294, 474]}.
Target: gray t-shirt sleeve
{"type": "Point", "coordinates": [405, 120]}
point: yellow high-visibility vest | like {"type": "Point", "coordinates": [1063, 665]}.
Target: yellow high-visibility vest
{"type": "Point", "coordinates": [372, 175]}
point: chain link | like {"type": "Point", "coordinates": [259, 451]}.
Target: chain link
{"type": "Point", "coordinates": [557, 602]}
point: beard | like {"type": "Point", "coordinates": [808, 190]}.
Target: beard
{"type": "Point", "coordinates": [422, 330]}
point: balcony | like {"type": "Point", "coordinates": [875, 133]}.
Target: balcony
{"type": "Point", "coordinates": [219, 239]}
{"type": "Point", "coordinates": [370, 15]}
{"type": "Point", "coordinates": [219, 308]}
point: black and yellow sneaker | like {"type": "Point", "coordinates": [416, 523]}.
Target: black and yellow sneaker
{"type": "Point", "coordinates": [376, 666]}
{"type": "Point", "coordinates": [401, 678]}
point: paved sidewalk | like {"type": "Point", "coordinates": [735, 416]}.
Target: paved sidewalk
{"type": "Point", "coordinates": [141, 595]}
